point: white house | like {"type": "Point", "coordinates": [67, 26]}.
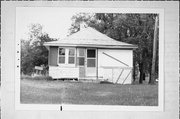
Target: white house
{"type": "Point", "coordinates": [91, 55]}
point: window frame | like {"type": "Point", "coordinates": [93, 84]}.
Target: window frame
{"type": "Point", "coordinates": [66, 64]}
{"type": "Point", "coordinates": [95, 58]}
{"type": "Point", "coordinates": [61, 55]}
{"type": "Point", "coordinates": [74, 56]}
{"type": "Point", "coordinates": [78, 56]}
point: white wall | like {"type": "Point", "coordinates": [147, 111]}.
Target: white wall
{"type": "Point", "coordinates": [105, 64]}
{"type": "Point", "coordinates": [63, 72]}
{"type": "Point", "coordinates": [123, 55]}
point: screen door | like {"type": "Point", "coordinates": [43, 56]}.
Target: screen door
{"type": "Point", "coordinates": [91, 63]}
{"type": "Point", "coordinates": [81, 62]}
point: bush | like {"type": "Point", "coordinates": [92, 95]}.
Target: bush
{"type": "Point", "coordinates": [106, 82]}
{"type": "Point", "coordinates": [48, 78]}
{"type": "Point", "coordinates": [26, 77]}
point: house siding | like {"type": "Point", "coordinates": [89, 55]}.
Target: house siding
{"type": "Point", "coordinates": [81, 72]}
{"type": "Point", "coordinates": [63, 72]}
{"type": "Point", "coordinates": [53, 56]}
{"type": "Point", "coordinates": [109, 68]}
{"type": "Point", "coordinates": [113, 65]}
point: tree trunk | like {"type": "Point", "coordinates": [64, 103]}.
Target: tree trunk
{"type": "Point", "coordinates": [134, 72]}
{"type": "Point", "coordinates": [141, 70]}
{"type": "Point", "coordinates": [153, 72]}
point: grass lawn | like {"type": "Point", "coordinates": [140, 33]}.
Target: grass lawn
{"type": "Point", "coordinates": [57, 92]}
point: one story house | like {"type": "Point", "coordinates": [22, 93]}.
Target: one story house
{"type": "Point", "coordinates": [91, 55]}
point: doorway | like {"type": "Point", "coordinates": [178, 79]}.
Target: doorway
{"type": "Point", "coordinates": [91, 62]}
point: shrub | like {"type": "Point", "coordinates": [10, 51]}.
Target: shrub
{"type": "Point", "coordinates": [106, 82]}
{"type": "Point", "coordinates": [25, 77]}
{"type": "Point", "coordinates": [48, 78]}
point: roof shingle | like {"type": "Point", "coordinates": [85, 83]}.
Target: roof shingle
{"type": "Point", "coordinates": [89, 37]}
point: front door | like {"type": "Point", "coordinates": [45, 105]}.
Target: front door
{"type": "Point", "coordinates": [91, 59]}
{"type": "Point", "coordinates": [81, 55]}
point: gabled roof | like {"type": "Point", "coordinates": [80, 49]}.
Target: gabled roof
{"type": "Point", "coordinates": [89, 37]}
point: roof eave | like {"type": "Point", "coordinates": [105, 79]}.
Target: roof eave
{"type": "Point", "coordinates": [94, 46]}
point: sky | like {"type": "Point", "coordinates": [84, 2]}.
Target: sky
{"type": "Point", "coordinates": [55, 21]}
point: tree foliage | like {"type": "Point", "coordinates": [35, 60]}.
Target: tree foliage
{"type": "Point", "coordinates": [33, 52]}
{"type": "Point", "coordinates": [35, 31]}
{"type": "Point", "coordinates": [136, 29]}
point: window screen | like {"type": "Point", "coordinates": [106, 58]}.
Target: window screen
{"type": "Point", "coordinates": [71, 52]}
{"type": "Point", "coordinates": [61, 51]}
{"type": "Point", "coordinates": [71, 59]}
{"type": "Point", "coordinates": [61, 60]}
{"type": "Point", "coordinates": [91, 63]}
{"type": "Point", "coordinates": [81, 52]}
{"type": "Point", "coordinates": [81, 57]}
{"type": "Point", "coordinates": [91, 53]}
{"type": "Point", "coordinates": [61, 55]}
{"type": "Point", "coordinates": [81, 61]}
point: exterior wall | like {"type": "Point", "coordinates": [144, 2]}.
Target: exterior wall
{"type": "Point", "coordinates": [57, 70]}
{"type": "Point", "coordinates": [63, 72]}
{"type": "Point", "coordinates": [109, 68]}
{"type": "Point", "coordinates": [53, 56]}
{"type": "Point", "coordinates": [81, 72]}
{"type": "Point", "coordinates": [108, 62]}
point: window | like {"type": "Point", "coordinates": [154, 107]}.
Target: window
{"type": "Point", "coordinates": [81, 61]}
{"type": "Point", "coordinates": [81, 52]}
{"type": "Point", "coordinates": [71, 56]}
{"type": "Point", "coordinates": [66, 56]}
{"type": "Point", "coordinates": [91, 53]}
{"type": "Point", "coordinates": [91, 63]}
{"type": "Point", "coordinates": [91, 58]}
{"type": "Point", "coordinates": [81, 57]}
{"type": "Point", "coordinates": [61, 55]}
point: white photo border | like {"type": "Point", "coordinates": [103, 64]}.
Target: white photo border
{"type": "Point", "coordinates": [160, 107]}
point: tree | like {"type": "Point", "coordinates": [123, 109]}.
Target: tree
{"type": "Point", "coordinates": [136, 29]}
{"type": "Point", "coordinates": [26, 57]}
{"type": "Point", "coordinates": [33, 52]}
{"type": "Point", "coordinates": [35, 31]}
{"type": "Point", "coordinates": [78, 19]}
